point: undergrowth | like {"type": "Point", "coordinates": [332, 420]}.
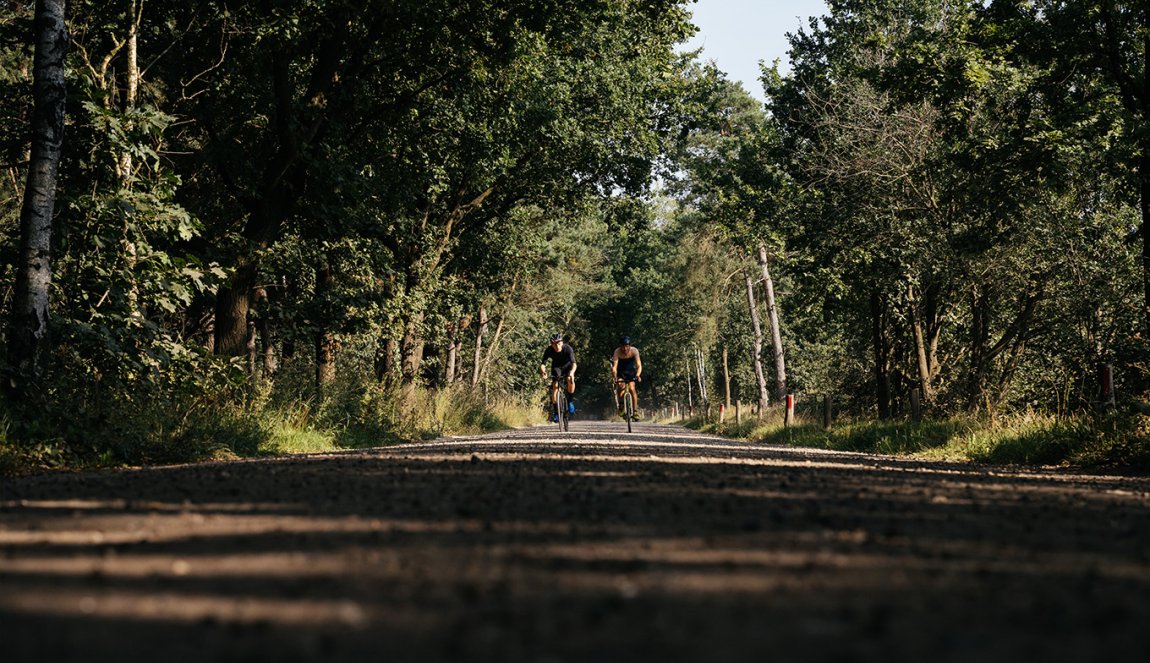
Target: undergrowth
{"type": "Point", "coordinates": [1023, 439]}
{"type": "Point", "coordinates": [175, 428]}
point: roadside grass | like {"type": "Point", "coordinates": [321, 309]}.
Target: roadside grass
{"type": "Point", "coordinates": [349, 417]}
{"type": "Point", "coordinates": [1021, 439]}
{"type": "Point", "coordinates": [378, 415]}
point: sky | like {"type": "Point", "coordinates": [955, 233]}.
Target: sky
{"type": "Point", "coordinates": [737, 34]}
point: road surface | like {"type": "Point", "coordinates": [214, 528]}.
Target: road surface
{"type": "Point", "coordinates": [598, 545]}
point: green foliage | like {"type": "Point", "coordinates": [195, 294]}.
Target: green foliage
{"type": "Point", "coordinates": [956, 181]}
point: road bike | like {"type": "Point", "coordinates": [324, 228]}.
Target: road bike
{"type": "Point", "coordinates": [628, 401]}
{"type": "Point", "coordinates": [559, 393]}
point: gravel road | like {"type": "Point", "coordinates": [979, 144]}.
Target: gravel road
{"type": "Point", "coordinates": [593, 546]}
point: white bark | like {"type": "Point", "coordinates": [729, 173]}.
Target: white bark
{"type": "Point", "coordinates": [773, 321]}
{"type": "Point", "coordinates": [764, 399]}
{"type": "Point", "coordinates": [34, 272]}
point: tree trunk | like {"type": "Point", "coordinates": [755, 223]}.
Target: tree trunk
{"type": "Point", "coordinates": [325, 341]}
{"type": "Point", "coordinates": [453, 330]}
{"type": "Point", "coordinates": [131, 91]}
{"type": "Point", "coordinates": [234, 304]}
{"type": "Point", "coordinates": [986, 387]}
{"type": "Point", "coordinates": [882, 352]}
{"type": "Point", "coordinates": [690, 395]}
{"type": "Point", "coordinates": [923, 353]}
{"type": "Point", "coordinates": [489, 358]}
{"type": "Point", "coordinates": [29, 325]}
{"type": "Point", "coordinates": [758, 342]}
{"type": "Point", "coordinates": [411, 352]}
{"type": "Point", "coordinates": [701, 369]}
{"type": "Point", "coordinates": [385, 367]}
{"type": "Point", "coordinates": [773, 319]}
{"type": "Point", "coordinates": [726, 381]}
{"type": "Point", "coordinates": [268, 347]}
{"type": "Point", "coordinates": [979, 336]}
{"type": "Point", "coordinates": [480, 332]}
{"type": "Point", "coordinates": [1144, 177]}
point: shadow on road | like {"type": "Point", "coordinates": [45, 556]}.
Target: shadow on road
{"type": "Point", "coordinates": [590, 547]}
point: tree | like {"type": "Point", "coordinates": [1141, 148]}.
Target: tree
{"type": "Point", "coordinates": [739, 183]}
{"type": "Point", "coordinates": [29, 323]}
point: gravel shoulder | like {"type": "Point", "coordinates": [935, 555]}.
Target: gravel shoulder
{"type": "Point", "coordinates": [597, 545]}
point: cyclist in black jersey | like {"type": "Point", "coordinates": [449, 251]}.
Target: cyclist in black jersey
{"type": "Point", "coordinates": [626, 367]}
{"type": "Point", "coordinates": [562, 359]}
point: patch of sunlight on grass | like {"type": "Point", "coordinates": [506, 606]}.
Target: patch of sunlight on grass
{"type": "Point", "coordinates": [285, 438]}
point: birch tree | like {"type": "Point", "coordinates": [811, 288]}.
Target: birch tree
{"type": "Point", "coordinates": [29, 325]}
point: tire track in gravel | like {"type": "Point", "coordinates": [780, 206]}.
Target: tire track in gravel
{"type": "Point", "coordinates": [596, 545]}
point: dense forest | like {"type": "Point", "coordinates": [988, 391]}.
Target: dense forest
{"type": "Point", "coordinates": [243, 227]}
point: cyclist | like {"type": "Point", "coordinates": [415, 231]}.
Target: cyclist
{"type": "Point", "coordinates": [562, 358]}
{"type": "Point", "coordinates": [626, 367]}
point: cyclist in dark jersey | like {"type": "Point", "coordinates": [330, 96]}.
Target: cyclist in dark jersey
{"type": "Point", "coordinates": [562, 359]}
{"type": "Point", "coordinates": [626, 367]}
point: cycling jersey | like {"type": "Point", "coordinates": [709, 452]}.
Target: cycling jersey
{"type": "Point", "coordinates": [562, 360]}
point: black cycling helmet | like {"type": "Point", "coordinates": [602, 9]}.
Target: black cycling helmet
{"type": "Point", "coordinates": [557, 338]}
{"type": "Point", "coordinates": [624, 340]}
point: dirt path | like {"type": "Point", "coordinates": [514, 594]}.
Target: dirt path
{"type": "Point", "coordinates": [599, 546]}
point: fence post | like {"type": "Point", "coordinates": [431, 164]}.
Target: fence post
{"type": "Point", "coordinates": [738, 412]}
{"type": "Point", "coordinates": [915, 406]}
{"type": "Point", "coordinates": [789, 417]}
{"type": "Point", "coordinates": [826, 412]}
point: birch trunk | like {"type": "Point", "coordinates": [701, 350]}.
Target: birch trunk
{"type": "Point", "coordinates": [131, 92]}
{"type": "Point", "coordinates": [726, 381]}
{"type": "Point", "coordinates": [480, 332]}
{"type": "Point", "coordinates": [452, 353]}
{"type": "Point", "coordinates": [29, 325]}
{"type": "Point", "coordinates": [764, 399]}
{"type": "Point", "coordinates": [773, 320]}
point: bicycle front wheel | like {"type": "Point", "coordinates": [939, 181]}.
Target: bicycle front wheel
{"type": "Point", "coordinates": [628, 409]}
{"type": "Point", "coordinates": [561, 409]}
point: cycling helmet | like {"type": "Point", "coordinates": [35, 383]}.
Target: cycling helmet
{"type": "Point", "coordinates": [557, 338]}
{"type": "Point", "coordinates": [624, 340]}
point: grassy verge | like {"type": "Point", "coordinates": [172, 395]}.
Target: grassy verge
{"type": "Point", "coordinates": [258, 426]}
{"type": "Point", "coordinates": [1024, 439]}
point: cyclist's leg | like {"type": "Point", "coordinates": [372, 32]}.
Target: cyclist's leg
{"type": "Point", "coordinates": [571, 392]}
{"type": "Point", "coordinates": [634, 398]}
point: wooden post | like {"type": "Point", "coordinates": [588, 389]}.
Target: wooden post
{"type": "Point", "coordinates": [826, 412]}
{"type": "Point", "coordinates": [915, 406]}
{"type": "Point", "coordinates": [789, 417]}
{"type": "Point", "coordinates": [722, 413]}
{"type": "Point", "coordinates": [738, 412]}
